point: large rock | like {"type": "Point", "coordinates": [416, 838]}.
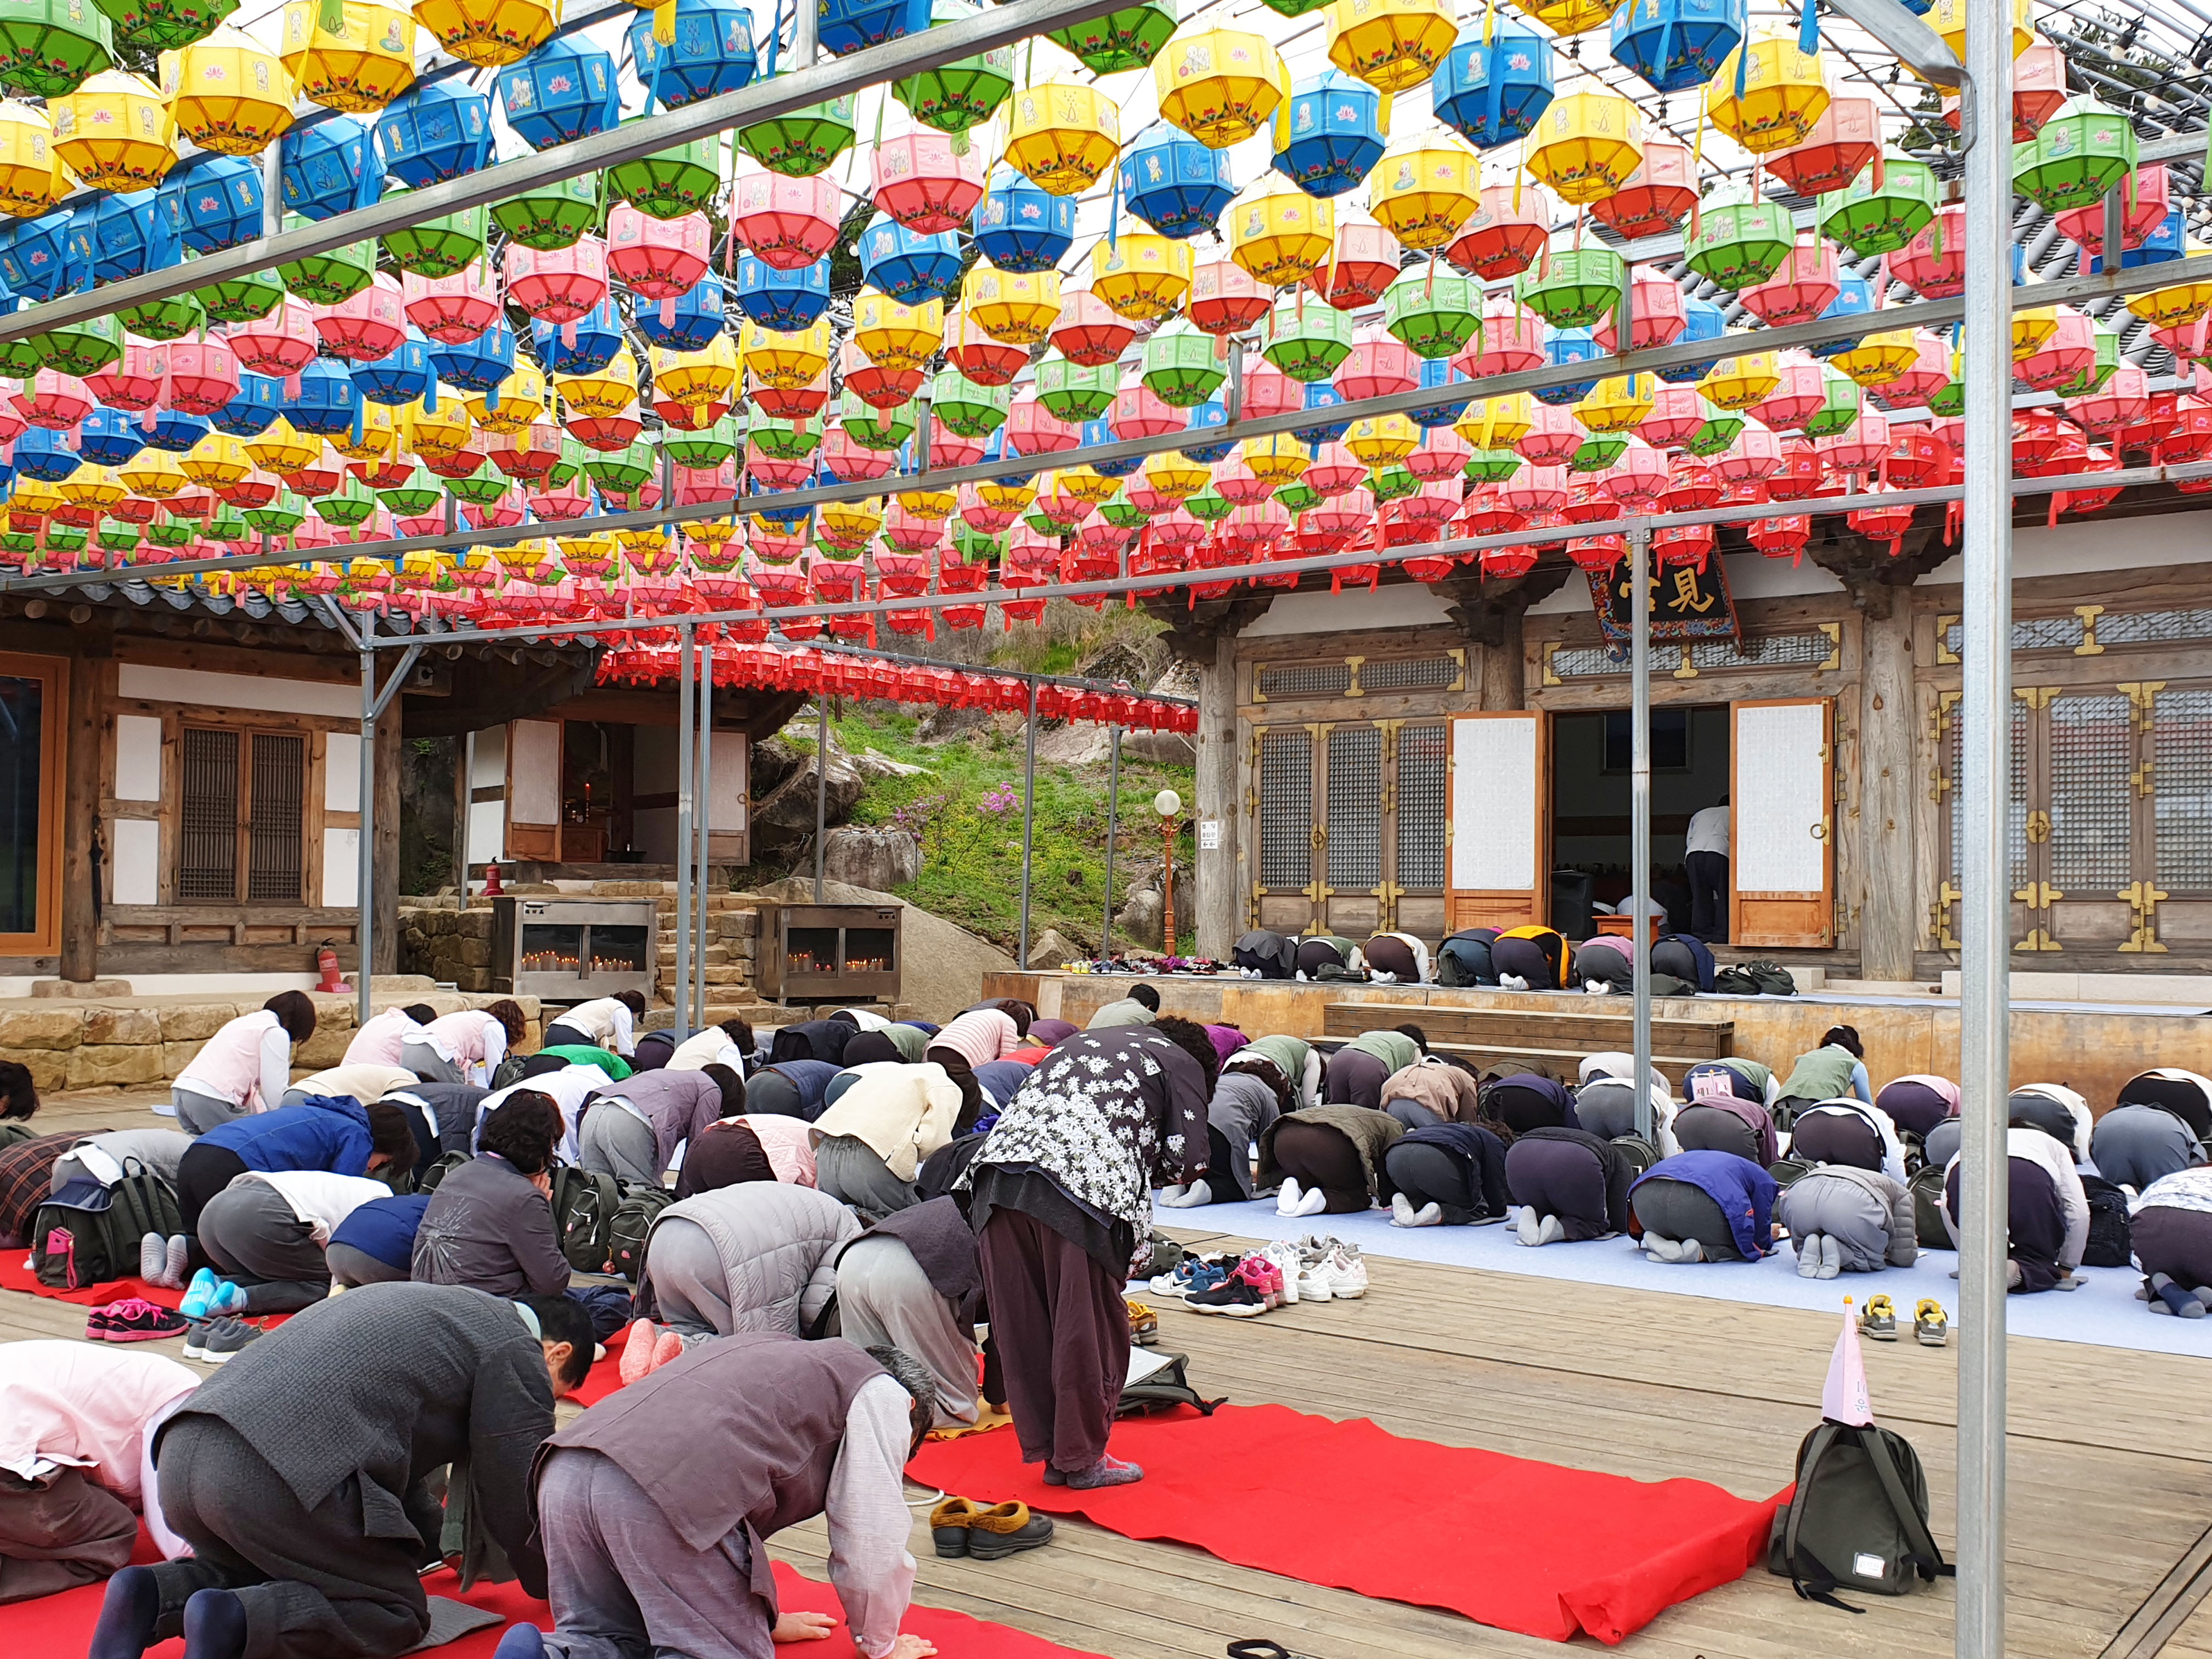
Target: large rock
{"type": "Point", "coordinates": [1053, 948]}
{"type": "Point", "coordinates": [783, 819]}
{"type": "Point", "coordinates": [1166, 748]}
{"type": "Point", "coordinates": [945, 965]}
{"type": "Point", "coordinates": [872, 764]}
{"type": "Point", "coordinates": [1140, 921]}
{"type": "Point", "coordinates": [876, 859]}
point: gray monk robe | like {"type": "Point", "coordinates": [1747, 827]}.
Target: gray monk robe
{"type": "Point", "coordinates": [656, 1505]}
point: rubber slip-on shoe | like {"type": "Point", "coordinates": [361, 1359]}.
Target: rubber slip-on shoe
{"type": "Point", "coordinates": [1006, 1529]}
{"type": "Point", "coordinates": [948, 1526]}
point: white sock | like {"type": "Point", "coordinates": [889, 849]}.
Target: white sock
{"type": "Point", "coordinates": [1429, 1215]}
{"type": "Point", "coordinates": [1172, 1196]}
{"type": "Point", "coordinates": [1313, 1203]}
{"type": "Point", "coordinates": [1549, 1232]}
{"type": "Point", "coordinates": [1525, 1225]}
{"type": "Point", "coordinates": [1402, 1211]}
{"type": "Point", "coordinates": [1286, 1202]}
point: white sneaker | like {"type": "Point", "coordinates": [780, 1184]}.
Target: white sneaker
{"type": "Point", "coordinates": [1347, 1272]}
{"type": "Point", "coordinates": [1313, 1279]}
{"type": "Point", "coordinates": [1285, 1255]}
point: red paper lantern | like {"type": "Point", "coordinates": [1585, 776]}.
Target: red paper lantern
{"type": "Point", "coordinates": [1361, 265]}
{"type": "Point", "coordinates": [1683, 544]}
{"type": "Point", "coordinates": [281, 344]}
{"type": "Point", "coordinates": [1800, 475]}
{"type": "Point", "coordinates": [1846, 138]}
{"type": "Point", "coordinates": [369, 325]}
{"type": "Point", "coordinates": [132, 382]}
{"type": "Point", "coordinates": [1032, 429]}
{"type": "Point", "coordinates": [1691, 487]}
{"type": "Point", "coordinates": [1375, 366]}
{"type": "Point", "coordinates": [558, 285]}
{"type": "Point", "coordinates": [1088, 332]}
{"type": "Point", "coordinates": [1333, 471]}
{"type": "Point", "coordinates": [1501, 239]}
{"type": "Point", "coordinates": [1136, 412]}
{"type": "Point", "coordinates": [2120, 402]}
{"type": "Point", "coordinates": [1224, 299]}
{"type": "Point", "coordinates": [1934, 264]}
{"type": "Point", "coordinates": [924, 184]}
{"type": "Point", "coordinates": [1802, 287]}
{"type": "Point", "coordinates": [1916, 459]}
{"type": "Point", "coordinates": [658, 258]}
{"type": "Point", "coordinates": [1658, 195]}
{"type": "Point", "coordinates": [980, 358]}
{"type": "Point", "coordinates": [1553, 435]}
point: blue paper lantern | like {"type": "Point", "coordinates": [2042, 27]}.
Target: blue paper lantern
{"type": "Point", "coordinates": [908, 266]}
{"type": "Point", "coordinates": [712, 53]}
{"type": "Point", "coordinates": [995, 449]}
{"type": "Point", "coordinates": [1439, 372]}
{"type": "Point", "coordinates": [694, 317]}
{"type": "Point", "coordinates": [400, 377]}
{"type": "Point", "coordinates": [785, 300]}
{"type": "Point", "coordinates": [37, 261]}
{"type": "Point", "coordinates": [1020, 227]}
{"type": "Point", "coordinates": [260, 400]}
{"type": "Point", "coordinates": [327, 404]}
{"type": "Point", "coordinates": [1175, 184]}
{"type": "Point", "coordinates": [214, 204]}
{"type": "Point", "coordinates": [109, 437]}
{"type": "Point", "coordinates": [329, 167]}
{"type": "Point", "coordinates": [1675, 45]}
{"type": "Point", "coordinates": [173, 432]}
{"type": "Point", "coordinates": [1211, 413]}
{"type": "Point", "coordinates": [848, 25]}
{"type": "Point", "coordinates": [2163, 243]}
{"type": "Point", "coordinates": [435, 132]}
{"type": "Point", "coordinates": [1335, 134]}
{"type": "Point", "coordinates": [563, 90]}
{"type": "Point", "coordinates": [1099, 432]}
{"type": "Point", "coordinates": [1493, 95]}
{"type": "Point", "coordinates": [1854, 298]}
{"type": "Point", "coordinates": [122, 236]}
{"type": "Point", "coordinates": [1568, 345]}
{"type": "Point", "coordinates": [1702, 320]}
{"type": "Point", "coordinates": [583, 347]}
{"type": "Point", "coordinates": [46, 455]}
{"type": "Point", "coordinates": [480, 365]}
{"type": "Point", "coordinates": [1320, 394]}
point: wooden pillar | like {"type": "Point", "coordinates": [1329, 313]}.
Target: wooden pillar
{"type": "Point", "coordinates": [1890, 896]}
{"type": "Point", "coordinates": [1500, 669]}
{"type": "Point", "coordinates": [1216, 873]}
{"type": "Point", "coordinates": [390, 744]}
{"type": "Point", "coordinates": [83, 744]}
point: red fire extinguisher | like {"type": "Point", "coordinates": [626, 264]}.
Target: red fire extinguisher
{"type": "Point", "coordinates": [326, 964]}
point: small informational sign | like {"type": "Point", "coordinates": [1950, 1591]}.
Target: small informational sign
{"type": "Point", "coordinates": [1209, 835]}
{"type": "Point", "coordinates": [1688, 603]}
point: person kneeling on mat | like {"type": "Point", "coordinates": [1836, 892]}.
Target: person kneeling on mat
{"type": "Point", "coordinates": [632, 1129]}
{"type": "Point", "coordinates": [913, 1282]}
{"type": "Point", "coordinates": [296, 1473]}
{"type": "Point", "coordinates": [608, 1023]}
{"type": "Point", "coordinates": [1430, 1092]}
{"type": "Point", "coordinates": [2048, 1212]}
{"type": "Point", "coordinates": [1328, 1160]}
{"type": "Point", "coordinates": [1704, 1207]}
{"type": "Point", "coordinates": [1299, 1060]}
{"type": "Point", "coordinates": [1450, 1175]}
{"type": "Point", "coordinates": [1140, 1007]}
{"type": "Point", "coordinates": [870, 1142]}
{"type": "Point", "coordinates": [1358, 1071]}
{"type": "Point", "coordinates": [489, 1226]}
{"type": "Point", "coordinates": [1247, 1100]}
{"type": "Point", "coordinates": [759, 1255]}
{"type": "Point", "coordinates": [1847, 1220]}
{"type": "Point", "coordinates": [1568, 1184]}
{"type": "Point", "coordinates": [2171, 1232]}
{"type": "Point", "coordinates": [266, 1234]}
{"type": "Point", "coordinates": [2136, 1147]}
{"type": "Point", "coordinates": [466, 1047]}
{"type": "Point", "coordinates": [1835, 1069]}
{"type": "Point", "coordinates": [656, 1514]}
{"type": "Point", "coordinates": [1848, 1131]}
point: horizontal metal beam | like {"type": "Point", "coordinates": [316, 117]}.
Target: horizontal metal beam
{"type": "Point", "coordinates": [943, 43]}
{"type": "Point", "coordinates": [838, 647]}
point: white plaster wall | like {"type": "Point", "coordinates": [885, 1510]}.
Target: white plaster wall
{"type": "Point", "coordinates": [134, 861]}
{"type": "Point", "coordinates": [253, 691]}
{"type": "Point", "coordinates": [137, 757]}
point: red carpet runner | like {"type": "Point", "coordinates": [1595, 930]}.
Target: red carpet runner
{"type": "Point", "coordinates": [1522, 1545]}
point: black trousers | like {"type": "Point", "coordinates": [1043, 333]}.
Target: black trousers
{"type": "Point", "coordinates": [204, 1171]}
{"type": "Point", "coordinates": [1355, 1077]}
{"type": "Point", "coordinates": [2036, 1220]}
{"type": "Point", "coordinates": [1316, 1155]}
{"type": "Point", "coordinates": [57, 1533]}
{"type": "Point", "coordinates": [1709, 897]}
{"type": "Point", "coordinates": [971, 1092]}
{"type": "Point", "coordinates": [1430, 1175]}
{"type": "Point", "coordinates": [557, 1035]}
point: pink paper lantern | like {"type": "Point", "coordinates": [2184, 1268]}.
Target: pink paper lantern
{"type": "Point", "coordinates": [281, 344]}
{"type": "Point", "coordinates": [1136, 412]}
{"type": "Point", "coordinates": [1799, 394]}
{"type": "Point", "coordinates": [2123, 401]}
{"type": "Point", "coordinates": [1533, 490]}
{"type": "Point", "coordinates": [1802, 287]}
{"type": "Point", "coordinates": [558, 285]}
{"type": "Point", "coordinates": [1269, 391]}
{"type": "Point", "coordinates": [1441, 454]}
{"type": "Point", "coordinates": [2070, 352]}
{"type": "Point", "coordinates": [978, 514]}
{"type": "Point", "coordinates": [1934, 264]}
{"type": "Point", "coordinates": [786, 222]}
{"type": "Point", "coordinates": [1638, 479]}
{"type": "Point", "coordinates": [53, 400]}
{"type": "Point", "coordinates": [452, 310]}
{"type": "Point", "coordinates": [922, 184]}
{"type": "Point", "coordinates": [658, 258]}
{"type": "Point", "coordinates": [1929, 374]}
{"type": "Point", "coordinates": [1755, 454]}
{"type": "Point", "coordinates": [1363, 264]}
{"type": "Point", "coordinates": [201, 376]}
{"type": "Point", "coordinates": [775, 473]}
{"type": "Point", "coordinates": [1334, 471]}
{"type": "Point", "coordinates": [1552, 437]}
{"type": "Point", "coordinates": [948, 448]}
{"type": "Point", "coordinates": [1656, 315]}
{"type": "Point", "coordinates": [133, 381]}
{"type": "Point", "coordinates": [1860, 449]}
{"type": "Point", "coordinates": [1677, 414]}
{"type": "Point", "coordinates": [2144, 202]}
{"type": "Point", "coordinates": [1501, 239]}
{"type": "Point", "coordinates": [907, 532]}
{"type": "Point", "coordinates": [367, 326]}
{"type": "Point", "coordinates": [1032, 429]}
{"type": "Point", "coordinates": [849, 460]}
{"type": "Point", "coordinates": [1377, 366]}
{"type": "Point", "coordinates": [1509, 342]}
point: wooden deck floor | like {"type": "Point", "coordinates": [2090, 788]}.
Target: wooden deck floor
{"type": "Point", "coordinates": [2110, 1471]}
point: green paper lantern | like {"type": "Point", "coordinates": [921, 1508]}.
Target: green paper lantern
{"type": "Point", "coordinates": [805, 142]}
{"type": "Point", "coordinates": [1576, 288]}
{"type": "Point", "coordinates": [1294, 7]}
{"type": "Point", "coordinates": [1740, 242]}
{"type": "Point", "coordinates": [708, 448]}
{"type": "Point", "coordinates": [1869, 218]}
{"type": "Point", "coordinates": [2093, 377]}
{"type": "Point", "coordinates": [115, 536]}
{"type": "Point", "coordinates": [965, 408]}
{"type": "Point", "coordinates": [78, 348]}
{"type": "Point", "coordinates": [330, 278]}
{"type": "Point", "coordinates": [1209, 506]}
{"type": "Point", "coordinates": [1840, 412]}
{"type": "Point", "coordinates": [20, 545]}
{"type": "Point", "coordinates": [1180, 367]}
{"type": "Point", "coordinates": [1391, 483]}
{"type": "Point", "coordinates": [575, 452]}
{"type": "Point", "coordinates": [1124, 39]}
{"type": "Point", "coordinates": [552, 217]}
{"type": "Point", "coordinates": [671, 183]}
{"type": "Point", "coordinates": [1432, 312]}
{"type": "Point", "coordinates": [954, 97]}
{"type": "Point", "coordinates": [1041, 521]}
{"type": "Point", "coordinates": [351, 503]}
{"type": "Point", "coordinates": [1950, 401]}
{"type": "Point", "coordinates": [1491, 465]}
{"type": "Point", "coordinates": [482, 487]}
{"type": "Point", "coordinates": [1306, 342]}
{"type": "Point", "coordinates": [2076, 158]}
{"type": "Point", "coordinates": [66, 538]}
{"type": "Point", "coordinates": [1070, 391]}
{"type": "Point", "coordinates": [1599, 451]}
{"type": "Point", "coordinates": [441, 246]}
{"type": "Point", "coordinates": [976, 547]}
{"type": "Point", "coordinates": [1298, 496]}
{"type": "Point", "coordinates": [49, 47]}
{"type": "Point", "coordinates": [1121, 513]}
{"type": "Point", "coordinates": [620, 472]}
{"type": "Point", "coordinates": [245, 299]}
{"type": "Point", "coordinates": [228, 526]}
{"type": "Point", "coordinates": [422, 493]}
{"type": "Point", "coordinates": [785, 440]}
{"type": "Point", "coordinates": [17, 360]}
{"type": "Point", "coordinates": [875, 429]}
{"type": "Point", "coordinates": [169, 533]}
{"type": "Point", "coordinates": [143, 26]}
{"type": "Point", "coordinates": [284, 513]}
{"type": "Point", "coordinates": [1718, 434]}
{"type": "Point", "coordinates": [166, 319]}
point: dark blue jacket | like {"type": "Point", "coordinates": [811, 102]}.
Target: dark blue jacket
{"type": "Point", "coordinates": [1744, 1191]}
{"type": "Point", "coordinates": [321, 1133]}
{"type": "Point", "coordinates": [385, 1228]}
{"type": "Point", "coordinates": [999, 1079]}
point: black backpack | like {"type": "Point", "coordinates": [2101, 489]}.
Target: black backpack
{"type": "Point", "coordinates": [1640, 1153]}
{"type": "Point", "coordinates": [2109, 1243]}
{"type": "Point", "coordinates": [641, 1207]}
{"type": "Point", "coordinates": [1786, 1170]}
{"type": "Point", "coordinates": [1858, 1519]}
{"type": "Point", "coordinates": [584, 1205]}
{"type": "Point", "coordinates": [1927, 1188]}
{"type": "Point", "coordinates": [445, 1165]}
{"type": "Point", "coordinates": [509, 1071]}
{"type": "Point", "coordinates": [75, 1245]}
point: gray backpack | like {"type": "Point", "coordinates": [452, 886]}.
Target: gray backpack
{"type": "Point", "coordinates": [1858, 1518]}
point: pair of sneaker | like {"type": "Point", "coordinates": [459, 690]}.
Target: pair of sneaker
{"type": "Point", "coordinates": [207, 1297]}
{"type": "Point", "coordinates": [133, 1320]}
{"type": "Point", "coordinates": [216, 1341]}
{"type": "Point", "coordinates": [161, 1259]}
{"type": "Point", "coordinates": [1330, 1270]}
{"type": "Point", "coordinates": [1252, 1286]}
{"type": "Point", "coordinates": [1191, 1275]}
{"type": "Point", "coordinates": [647, 1348]}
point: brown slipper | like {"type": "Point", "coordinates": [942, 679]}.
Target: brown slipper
{"type": "Point", "coordinates": [948, 1523]}
{"type": "Point", "coordinates": [1005, 1529]}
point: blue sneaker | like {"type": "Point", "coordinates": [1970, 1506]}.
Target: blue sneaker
{"type": "Point", "coordinates": [199, 1295]}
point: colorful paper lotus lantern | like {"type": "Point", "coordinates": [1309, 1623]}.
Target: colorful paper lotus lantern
{"type": "Point", "coordinates": [774, 299]}
{"type": "Point", "coordinates": [1586, 146]}
{"type": "Point", "coordinates": [1140, 278]}
{"type": "Point", "coordinates": [1424, 192]}
{"type": "Point", "coordinates": [1220, 86]}
{"type": "Point", "coordinates": [1774, 101]}
{"type": "Point", "coordinates": [1017, 226]}
{"type": "Point", "coordinates": [48, 48]}
{"type": "Point", "coordinates": [1834, 152]}
{"type": "Point", "coordinates": [228, 94]}
{"type": "Point", "coordinates": [1391, 45]}
{"type": "Point", "coordinates": [1494, 85]}
{"type": "Point", "coordinates": [1179, 368]}
{"type": "Point", "coordinates": [31, 177]}
{"type": "Point", "coordinates": [1574, 288]}
{"type": "Point", "coordinates": [488, 32]}
{"type": "Point", "coordinates": [671, 183]}
{"type": "Point", "coordinates": [956, 96]}
{"type": "Point", "coordinates": [1656, 197]}
{"type": "Point", "coordinates": [907, 266]}
{"type": "Point", "coordinates": [1280, 234]}
{"type": "Point", "coordinates": [1675, 45]}
{"type": "Point", "coordinates": [2077, 158]}
{"type": "Point", "coordinates": [114, 132]}
{"type": "Point", "coordinates": [923, 183]}
{"type": "Point", "coordinates": [434, 132]}
{"type": "Point", "coordinates": [804, 142]}
{"type": "Point", "coordinates": [657, 259]}
{"type": "Point", "coordinates": [1432, 314]}
{"type": "Point", "coordinates": [1883, 209]}
{"type": "Point", "coordinates": [1062, 137]}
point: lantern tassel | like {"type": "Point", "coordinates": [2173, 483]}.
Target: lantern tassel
{"type": "Point", "coordinates": [1808, 28]}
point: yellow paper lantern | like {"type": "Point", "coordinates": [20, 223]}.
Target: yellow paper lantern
{"type": "Point", "coordinates": [1740, 383]}
{"type": "Point", "coordinates": [1176, 476]}
{"type": "Point", "coordinates": [1878, 359]}
{"type": "Point", "coordinates": [31, 176]}
{"type": "Point", "coordinates": [1619, 404]}
{"type": "Point", "coordinates": [95, 487]}
{"type": "Point", "coordinates": [1785, 93]}
{"type": "Point", "coordinates": [435, 434]}
{"type": "Point", "coordinates": [1061, 137]}
{"type": "Point", "coordinates": [603, 393]}
{"type": "Point", "coordinates": [1565, 17]}
{"type": "Point", "coordinates": [2031, 330]}
{"type": "Point", "coordinates": [227, 92]}
{"type": "Point", "coordinates": [1222, 86]}
{"type": "Point", "coordinates": [154, 474]}
{"type": "Point", "coordinates": [1586, 145]}
{"type": "Point", "coordinates": [1007, 495]}
{"type": "Point", "coordinates": [489, 32]}
{"type": "Point", "coordinates": [588, 548]}
{"type": "Point", "coordinates": [114, 132]}
{"type": "Point", "coordinates": [30, 500]}
{"type": "Point", "coordinates": [853, 522]}
{"type": "Point", "coordinates": [2176, 304]}
{"type": "Point", "coordinates": [1380, 441]}
{"type": "Point", "coordinates": [361, 66]}
{"type": "Point", "coordinates": [518, 558]}
{"type": "Point", "coordinates": [1279, 459]}
{"type": "Point", "coordinates": [279, 449]}
{"type": "Point", "coordinates": [896, 337]}
{"type": "Point", "coordinates": [1948, 19]}
{"type": "Point", "coordinates": [1281, 235]}
{"type": "Point", "coordinates": [709, 535]}
{"type": "Point", "coordinates": [1496, 422]}
{"type": "Point", "coordinates": [519, 401]}
{"type": "Point", "coordinates": [379, 434]}
{"type": "Point", "coordinates": [642, 543]}
{"type": "Point", "coordinates": [696, 378]}
{"type": "Point", "coordinates": [1391, 45]}
{"type": "Point", "coordinates": [790, 361]}
{"type": "Point", "coordinates": [1087, 483]}
{"type": "Point", "coordinates": [1016, 309]}
{"type": "Point", "coordinates": [217, 462]}
{"type": "Point", "coordinates": [1422, 192]}
{"type": "Point", "coordinates": [1140, 278]}
{"type": "Point", "coordinates": [930, 505]}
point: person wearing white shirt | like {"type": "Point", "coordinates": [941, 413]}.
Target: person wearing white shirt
{"type": "Point", "coordinates": [466, 1047]}
{"type": "Point", "coordinates": [607, 1023]}
{"type": "Point", "coordinates": [363, 1081]}
{"type": "Point", "coordinates": [1706, 858]}
{"type": "Point", "coordinates": [568, 1088]}
{"type": "Point", "coordinates": [2048, 1213]}
{"type": "Point", "coordinates": [267, 1230]}
{"type": "Point", "coordinates": [730, 1043]}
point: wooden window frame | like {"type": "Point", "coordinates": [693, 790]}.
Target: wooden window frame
{"type": "Point", "coordinates": [242, 866]}
{"type": "Point", "coordinates": [53, 675]}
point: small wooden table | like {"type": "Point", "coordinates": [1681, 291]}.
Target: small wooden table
{"type": "Point", "coordinates": [1624, 927]}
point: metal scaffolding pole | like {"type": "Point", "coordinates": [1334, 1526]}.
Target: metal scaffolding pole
{"type": "Point", "coordinates": [704, 823]}
{"type": "Point", "coordinates": [1113, 831]}
{"type": "Point", "coordinates": [680, 989]}
{"type": "Point", "coordinates": [821, 785]}
{"type": "Point", "coordinates": [1029, 819]}
{"type": "Point", "coordinates": [1639, 813]}
{"type": "Point", "coordinates": [365, 932]}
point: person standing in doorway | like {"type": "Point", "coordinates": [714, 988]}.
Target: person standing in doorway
{"type": "Point", "coordinates": [1708, 861]}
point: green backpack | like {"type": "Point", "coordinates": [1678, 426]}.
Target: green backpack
{"type": "Point", "coordinates": [632, 1224]}
{"type": "Point", "coordinates": [74, 1246]}
{"type": "Point", "coordinates": [1858, 1518]}
{"type": "Point", "coordinates": [1927, 1189]}
{"type": "Point", "coordinates": [584, 1205]}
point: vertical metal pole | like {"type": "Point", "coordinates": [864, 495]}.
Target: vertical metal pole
{"type": "Point", "coordinates": [1985, 956]}
{"type": "Point", "coordinates": [365, 932]}
{"type": "Point", "coordinates": [272, 191]}
{"type": "Point", "coordinates": [684, 720]}
{"type": "Point", "coordinates": [1028, 818]}
{"type": "Point", "coordinates": [1113, 833]}
{"type": "Point", "coordinates": [1639, 810]}
{"type": "Point", "coordinates": [821, 780]}
{"type": "Point", "coordinates": [465, 805]}
{"type": "Point", "coordinates": [805, 27]}
{"type": "Point", "coordinates": [706, 824]}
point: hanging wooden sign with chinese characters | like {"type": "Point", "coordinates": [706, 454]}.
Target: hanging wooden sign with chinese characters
{"type": "Point", "coordinates": [1688, 602]}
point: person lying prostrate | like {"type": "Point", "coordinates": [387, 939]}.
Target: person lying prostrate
{"type": "Point", "coordinates": [791, 1088]}
{"type": "Point", "coordinates": [2170, 1228]}
{"type": "Point", "coordinates": [376, 1040]}
{"type": "Point", "coordinates": [757, 1256]}
{"type": "Point", "coordinates": [466, 1047]}
{"type": "Point", "coordinates": [730, 1043]}
{"type": "Point", "coordinates": [1534, 958]}
{"type": "Point", "coordinates": [1298, 1060]}
{"type": "Point", "coordinates": [727, 1154]}
{"type": "Point", "coordinates": [1430, 1092]}
{"type": "Point", "coordinates": [265, 1235]}
{"type": "Point", "coordinates": [632, 1129]}
{"type": "Point", "coordinates": [1327, 1159]}
{"type": "Point", "coordinates": [1704, 1207]}
{"type": "Point", "coordinates": [489, 1226]}
{"type": "Point", "coordinates": [1356, 1072]}
{"type": "Point", "coordinates": [1140, 1007]}
{"type": "Point", "coordinates": [1264, 954]}
{"type": "Point", "coordinates": [366, 1082]}
{"type": "Point", "coordinates": [2187, 1095]}
{"type": "Point", "coordinates": [1226, 1040]}
{"type": "Point", "coordinates": [1917, 1103]}
{"type": "Point", "coordinates": [656, 1516]}
{"type": "Point", "coordinates": [815, 1039]}
{"type": "Point", "coordinates": [1569, 1185]}
{"type": "Point", "coordinates": [72, 1458]}
{"type": "Point", "coordinates": [1528, 1100]}
{"type": "Point", "coordinates": [376, 1244]}
{"type": "Point", "coordinates": [915, 1282]}
{"type": "Point", "coordinates": [2137, 1145]}
{"type": "Point", "coordinates": [105, 1156]}
{"type": "Point", "coordinates": [1247, 1099]}
{"type": "Point", "coordinates": [974, 1038]}
{"type": "Point", "coordinates": [1849, 1132]}
{"type": "Point", "coordinates": [1450, 1175]}
{"type": "Point", "coordinates": [867, 1019]}
{"type": "Point", "coordinates": [1606, 1106]}
{"type": "Point", "coordinates": [1746, 1079]}
{"type": "Point", "coordinates": [998, 1082]}
{"type": "Point", "coordinates": [449, 1109]}
{"type": "Point", "coordinates": [2056, 1110]}
{"type": "Point", "coordinates": [873, 1048]}
{"type": "Point", "coordinates": [1328, 955]}
{"type": "Point", "coordinates": [1722, 1123]}
{"type": "Point", "coordinates": [566, 1086]}
{"type": "Point", "coordinates": [1848, 1220]}
{"type": "Point", "coordinates": [2048, 1212]}
{"type": "Point", "coordinates": [1397, 959]}
{"type": "Point", "coordinates": [341, 1136]}
{"type": "Point", "coordinates": [245, 1067]}
{"type": "Point", "coordinates": [870, 1143]}
{"type": "Point", "coordinates": [296, 1473]}
{"type": "Point", "coordinates": [1835, 1069]}
{"type": "Point", "coordinates": [1605, 966]}
{"type": "Point", "coordinates": [575, 1054]}
{"type": "Point", "coordinates": [606, 1022]}
{"type": "Point", "coordinates": [652, 1051]}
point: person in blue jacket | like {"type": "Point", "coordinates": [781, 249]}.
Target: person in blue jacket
{"type": "Point", "coordinates": [339, 1134]}
{"type": "Point", "coordinates": [793, 1088]}
{"type": "Point", "coordinates": [375, 1245]}
{"type": "Point", "coordinates": [1704, 1207]}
